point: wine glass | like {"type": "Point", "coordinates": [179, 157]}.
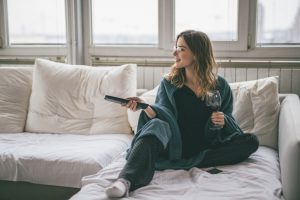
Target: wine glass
{"type": "Point", "coordinates": [214, 101]}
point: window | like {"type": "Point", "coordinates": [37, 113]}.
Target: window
{"type": "Point", "coordinates": [278, 22]}
{"type": "Point", "coordinates": [219, 22]}
{"type": "Point", "coordinates": [150, 26]}
{"type": "Point", "coordinates": [90, 31]}
{"type": "Point", "coordinates": [36, 22]}
{"type": "Point", "coordinates": [130, 22]}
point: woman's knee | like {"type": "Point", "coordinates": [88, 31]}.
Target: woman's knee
{"type": "Point", "coordinates": [251, 144]}
{"type": "Point", "coordinates": [248, 141]}
{"type": "Point", "coordinates": [249, 138]}
{"type": "Point", "coordinates": [253, 140]}
{"type": "Point", "coordinates": [148, 141]}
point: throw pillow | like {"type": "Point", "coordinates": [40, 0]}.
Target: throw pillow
{"type": "Point", "coordinates": [256, 108]}
{"type": "Point", "coordinates": [15, 89]}
{"type": "Point", "coordinates": [70, 98]}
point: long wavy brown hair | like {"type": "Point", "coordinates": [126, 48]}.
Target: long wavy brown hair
{"type": "Point", "coordinates": [205, 65]}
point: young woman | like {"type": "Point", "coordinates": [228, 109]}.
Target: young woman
{"type": "Point", "coordinates": [175, 132]}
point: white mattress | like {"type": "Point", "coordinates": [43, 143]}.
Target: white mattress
{"type": "Point", "coordinates": [57, 159]}
{"type": "Point", "coordinates": [256, 178]}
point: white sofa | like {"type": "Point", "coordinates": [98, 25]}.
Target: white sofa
{"type": "Point", "coordinates": [55, 128]}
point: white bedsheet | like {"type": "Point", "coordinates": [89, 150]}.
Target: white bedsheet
{"type": "Point", "coordinates": [57, 159]}
{"type": "Point", "coordinates": [256, 178]}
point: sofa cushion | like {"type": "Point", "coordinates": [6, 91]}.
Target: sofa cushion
{"type": "Point", "coordinates": [243, 111]}
{"type": "Point", "coordinates": [15, 89]}
{"type": "Point", "coordinates": [133, 117]}
{"type": "Point", "coordinates": [57, 159]}
{"type": "Point", "coordinates": [70, 98]}
{"type": "Point", "coordinates": [256, 108]}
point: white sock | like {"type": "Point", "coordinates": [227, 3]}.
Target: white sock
{"type": "Point", "coordinates": [117, 189]}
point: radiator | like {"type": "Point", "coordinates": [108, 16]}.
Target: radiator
{"type": "Point", "coordinates": [289, 78]}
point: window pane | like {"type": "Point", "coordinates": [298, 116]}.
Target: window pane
{"type": "Point", "coordinates": [278, 22]}
{"type": "Point", "coordinates": [125, 22]}
{"type": "Point", "coordinates": [36, 21]}
{"type": "Point", "coordinates": [217, 18]}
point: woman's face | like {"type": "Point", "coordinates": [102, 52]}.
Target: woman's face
{"type": "Point", "coordinates": [183, 55]}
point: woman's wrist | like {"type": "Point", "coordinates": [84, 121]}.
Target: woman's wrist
{"type": "Point", "coordinates": [150, 112]}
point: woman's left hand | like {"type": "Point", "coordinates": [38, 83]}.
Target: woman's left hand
{"type": "Point", "coordinates": [218, 118]}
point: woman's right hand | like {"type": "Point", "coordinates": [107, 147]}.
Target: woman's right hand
{"type": "Point", "coordinates": [132, 104]}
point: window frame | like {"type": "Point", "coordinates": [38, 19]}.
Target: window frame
{"type": "Point", "coordinates": [244, 48]}
{"type": "Point", "coordinates": [20, 51]}
{"type": "Point", "coordinates": [166, 34]}
{"type": "Point", "coordinates": [3, 24]}
{"type": "Point", "coordinates": [262, 52]}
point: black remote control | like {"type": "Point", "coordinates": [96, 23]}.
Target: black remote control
{"type": "Point", "coordinates": [124, 101]}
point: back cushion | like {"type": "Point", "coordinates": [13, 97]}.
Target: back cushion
{"type": "Point", "coordinates": [15, 88]}
{"type": "Point", "coordinates": [70, 98]}
{"type": "Point", "coordinates": [256, 108]}
{"type": "Point", "coordinates": [133, 116]}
